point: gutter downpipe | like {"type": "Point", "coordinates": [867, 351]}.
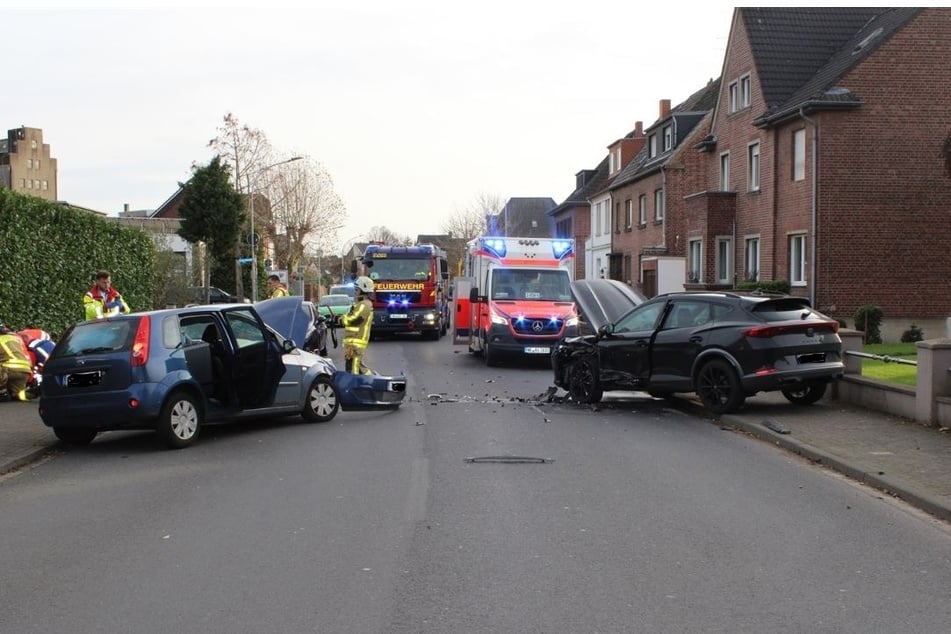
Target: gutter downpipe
{"type": "Point", "coordinates": [815, 206]}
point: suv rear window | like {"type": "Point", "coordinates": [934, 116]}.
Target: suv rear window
{"type": "Point", "coordinates": [97, 336]}
{"type": "Point", "coordinates": [785, 309]}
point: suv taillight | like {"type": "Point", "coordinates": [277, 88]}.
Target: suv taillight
{"type": "Point", "coordinates": [765, 332]}
{"type": "Point", "coordinates": [140, 345]}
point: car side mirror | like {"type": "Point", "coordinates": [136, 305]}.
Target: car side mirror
{"type": "Point", "coordinates": [474, 295]}
{"type": "Point", "coordinates": [289, 345]}
{"type": "Point", "coordinates": [606, 330]}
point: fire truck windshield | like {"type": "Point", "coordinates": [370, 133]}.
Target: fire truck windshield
{"type": "Point", "coordinates": [400, 269]}
{"type": "Point", "coordinates": [533, 284]}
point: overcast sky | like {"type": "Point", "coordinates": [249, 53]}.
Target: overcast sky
{"type": "Point", "coordinates": [413, 108]}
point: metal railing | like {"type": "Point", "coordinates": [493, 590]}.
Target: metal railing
{"type": "Point", "coordinates": [882, 357]}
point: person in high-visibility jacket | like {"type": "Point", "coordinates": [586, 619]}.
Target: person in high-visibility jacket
{"type": "Point", "coordinates": [356, 324]}
{"type": "Point", "coordinates": [15, 364]}
{"type": "Point", "coordinates": [103, 300]}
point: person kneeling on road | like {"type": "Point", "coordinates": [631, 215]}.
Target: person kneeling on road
{"type": "Point", "coordinates": [356, 325]}
{"type": "Point", "coordinates": [15, 366]}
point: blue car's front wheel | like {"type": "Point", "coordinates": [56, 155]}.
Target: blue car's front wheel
{"type": "Point", "coordinates": [322, 400]}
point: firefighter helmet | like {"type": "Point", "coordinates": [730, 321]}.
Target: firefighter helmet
{"type": "Point", "coordinates": [365, 284]}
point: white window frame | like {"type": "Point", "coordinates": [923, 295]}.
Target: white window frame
{"type": "Point", "coordinates": [797, 259]}
{"type": "Point", "coordinates": [695, 261]}
{"type": "Point", "coordinates": [799, 154]}
{"type": "Point", "coordinates": [724, 265]}
{"type": "Point", "coordinates": [628, 214]}
{"type": "Point", "coordinates": [753, 166]}
{"type": "Point", "coordinates": [725, 172]}
{"type": "Point", "coordinates": [659, 204]}
{"type": "Point", "coordinates": [652, 146]}
{"type": "Point", "coordinates": [642, 209]}
{"type": "Point", "coordinates": [734, 97]}
{"type": "Point", "coordinates": [668, 133]}
{"type": "Point", "coordinates": [752, 258]}
{"type": "Point", "coordinates": [746, 96]}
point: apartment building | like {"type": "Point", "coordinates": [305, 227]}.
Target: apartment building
{"type": "Point", "coordinates": [26, 165]}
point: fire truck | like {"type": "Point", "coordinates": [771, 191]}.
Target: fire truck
{"type": "Point", "coordinates": [410, 287]}
{"type": "Point", "coordinates": [514, 297]}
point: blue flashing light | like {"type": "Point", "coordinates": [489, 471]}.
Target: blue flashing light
{"type": "Point", "coordinates": [495, 246]}
{"type": "Point", "coordinates": [561, 248]}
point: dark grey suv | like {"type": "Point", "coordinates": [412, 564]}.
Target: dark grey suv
{"type": "Point", "coordinates": [724, 346]}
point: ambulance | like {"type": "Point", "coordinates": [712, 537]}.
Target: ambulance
{"type": "Point", "coordinates": [514, 299]}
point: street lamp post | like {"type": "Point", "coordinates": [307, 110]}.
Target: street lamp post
{"type": "Point", "coordinates": [346, 245]}
{"type": "Point", "coordinates": [253, 238]}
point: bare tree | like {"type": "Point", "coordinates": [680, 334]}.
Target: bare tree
{"type": "Point", "coordinates": [388, 236]}
{"type": "Point", "coordinates": [470, 222]}
{"type": "Point", "coordinates": [305, 211]}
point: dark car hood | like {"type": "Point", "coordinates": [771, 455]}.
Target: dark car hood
{"type": "Point", "coordinates": [602, 302]}
{"type": "Point", "coordinates": [288, 316]}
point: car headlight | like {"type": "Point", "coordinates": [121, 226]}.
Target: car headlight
{"type": "Point", "coordinates": [495, 318]}
{"type": "Point", "coordinates": [571, 321]}
{"type": "Point", "coordinates": [429, 317]}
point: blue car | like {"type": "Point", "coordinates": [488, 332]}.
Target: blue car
{"type": "Point", "coordinates": [174, 370]}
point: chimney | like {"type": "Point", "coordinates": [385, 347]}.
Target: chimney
{"type": "Point", "coordinates": [638, 130]}
{"type": "Point", "coordinates": [125, 208]}
{"type": "Point", "coordinates": [664, 108]}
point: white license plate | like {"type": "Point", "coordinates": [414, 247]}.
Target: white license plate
{"type": "Point", "coordinates": [537, 350]}
{"type": "Point", "coordinates": [398, 316]}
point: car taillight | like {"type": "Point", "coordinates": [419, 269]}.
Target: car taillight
{"type": "Point", "coordinates": [765, 332]}
{"type": "Point", "coordinates": [140, 345]}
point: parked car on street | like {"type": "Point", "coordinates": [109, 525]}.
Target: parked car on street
{"type": "Point", "coordinates": [215, 296]}
{"type": "Point", "coordinates": [334, 305]}
{"type": "Point", "coordinates": [175, 370]}
{"type": "Point", "coordinates": [723, 345]}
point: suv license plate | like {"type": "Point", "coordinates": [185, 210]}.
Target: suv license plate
{"type": "Point", "coordinates": [537, 350]}
{"type": "Point", "coordinates": [398, 316]}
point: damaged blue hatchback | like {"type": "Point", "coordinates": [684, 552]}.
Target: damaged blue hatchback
{"type": "Point", "coordinates": [175, 370]}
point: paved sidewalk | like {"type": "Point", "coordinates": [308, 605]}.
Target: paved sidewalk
{"type": "Point", "coordinates": [903, 458]}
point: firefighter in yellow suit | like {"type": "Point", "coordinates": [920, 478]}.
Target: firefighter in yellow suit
{"type": "Point", "coordinates": [356, 324]}
{"type": "Point", "coordinates": [15, 365]}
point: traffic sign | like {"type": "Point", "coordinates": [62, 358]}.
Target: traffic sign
{"type": "Point", "coordinates": [253, 239]}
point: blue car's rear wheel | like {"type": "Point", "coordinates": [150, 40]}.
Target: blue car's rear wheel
{"type": "Point", "coordinates": [180, 421]}
{"type": "Point", "coordinates": [322, 400]}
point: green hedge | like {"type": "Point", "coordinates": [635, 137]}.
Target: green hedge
{"type": "Point", "coordinates": [50, 254]}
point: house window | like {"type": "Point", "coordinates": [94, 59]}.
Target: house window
{"type": "Point", "coordinates": [606, 219]}
{"type": "Point", "coordinates": [725, 172]}
{"type": "Point", "coordinates": [668, 138]}
{"type": "Point", "coordinates": [797, 259]}
{"type": "Point", "coordinates": [642, 209]}
{"type": "Point", "coordinates": [617, 217]}
{"type": "Point", "coordinates": [46, 185]}
{"type": "Point", "coordinates": [652, 145]}
{"type": "Point", "coordinates": [33, 144]}
{"type": "Point", "coordinates": [734, 97]}
{"type": "Point", "coordinates": [29, 183]}
{"type": "Point", "coordinates": [753, 166]}
{"type": "Point", "coordinates": [724, 260]}
{"type": "Point", "coordinates": [745, 98]}
{"type": "Point", "coordinates": [752, 259]}
{"type": "Point", "coordinates": [628, 214]}
{"type": "Point", "coordinates": [22, 183]}
{"type": "Point", "coordinates": [29, 164]}
{"type": "Point", "coordinates": [659, 204]}
{"type": "Point", "coordinates": [617, 159]}
{"type": "Point", "coordinates": [694, 262]}
{"type": "Point", "coordinates": [36, 163]}
{"type": "Point", "coordinates": [799, 155]}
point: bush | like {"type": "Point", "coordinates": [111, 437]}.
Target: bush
{"type": "Point", "coordinates": [868, 319]}
{"type": "Point", "coordinates": [767, 286]}
{"type": "Point", "coordinates": [913, 334]}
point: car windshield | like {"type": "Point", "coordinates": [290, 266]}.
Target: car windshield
{"type": "Point", "coordinates": [400, 269]}
{"type": "Point", "coordinates": [334, 300]}
{"type": "Point", "coordinates": [532, 284]}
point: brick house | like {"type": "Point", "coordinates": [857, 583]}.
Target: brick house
{"type": "Point", "coordinates": [572, 218]}
{"type": "Point", "coordinates": [826, 161]}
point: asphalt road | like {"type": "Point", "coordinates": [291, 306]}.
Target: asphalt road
{"type": "Point", "coordinates": [478, 506]}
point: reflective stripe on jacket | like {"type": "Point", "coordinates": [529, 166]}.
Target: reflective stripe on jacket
{"type": "Point", "coordinates": [13, 354]}
{"type": "Point", "coordinates": [357, 322]}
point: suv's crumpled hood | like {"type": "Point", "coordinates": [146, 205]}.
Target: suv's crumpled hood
{"type": "Point", "coordinates": [287, 315]}
{"type": "Point", "coordinates": [602, 302]}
